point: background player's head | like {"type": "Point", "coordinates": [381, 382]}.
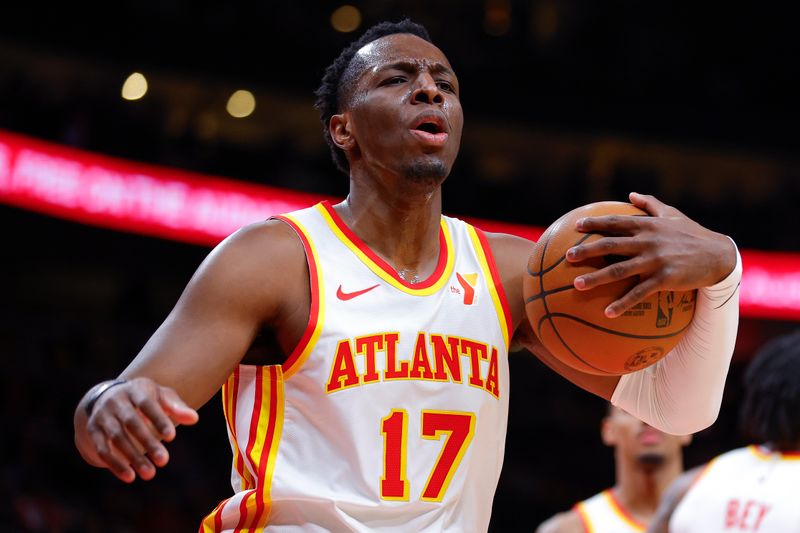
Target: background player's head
{"type": "Point", "coordinates": [637, 443]}
{"type": "Point", "coordinates": [348, 85]}
{"type": "Point", "coordinates": [771, 407]}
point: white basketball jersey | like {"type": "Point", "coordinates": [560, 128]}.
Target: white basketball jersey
{"type": "Point", "coordinates": [748, 489]}
{"type": "Point", "coordinates": [603, 513]}
{"type": "Point", "coordinates": [390, 414]}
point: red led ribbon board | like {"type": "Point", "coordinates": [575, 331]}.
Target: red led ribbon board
{"type": "Point", "coordinates": [174, 204]}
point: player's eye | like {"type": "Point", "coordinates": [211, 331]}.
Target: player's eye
{"type": "Point", "coordinates": [394, 80]}
{"type": "Point", "coordinates": [446, 86]}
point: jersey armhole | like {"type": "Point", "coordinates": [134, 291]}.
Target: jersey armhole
{"type": "Point", "coordinates": [316, 313]}
{"type": "Point", "coordinates": [486, 259]}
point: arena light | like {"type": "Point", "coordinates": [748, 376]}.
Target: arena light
{"type": "Point", "coordinates": [135, 86]}
{"type": "Point", "coordinates": [346, 19]}
{"type": "Point", "coordinates": [241, 104]}
{"type": "Point", "coordinates": [497, 17]}
{"type": "Point", "coordinates": [170, 203]}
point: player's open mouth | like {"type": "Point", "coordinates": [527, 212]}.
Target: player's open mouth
{"type": "Point", "coordinates": [430, 129]}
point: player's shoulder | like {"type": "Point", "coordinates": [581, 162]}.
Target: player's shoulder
{"type": "Point", "coordinates": [509, 251]}
{"type": "Point", "coordinates": [566, 522]}
{"type": "Point", "coordinates": [271, 240]}
{"type": "Point", "coordinates": [262, 257]}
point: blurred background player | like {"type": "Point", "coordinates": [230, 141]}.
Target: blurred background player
{"type": "Point", "coordinates": [754, 488]}
{"type": "Point", "coordinates": [646, 462]}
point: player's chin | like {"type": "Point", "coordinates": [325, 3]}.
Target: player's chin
{"type": "Point", "coordinates": [427, 168]}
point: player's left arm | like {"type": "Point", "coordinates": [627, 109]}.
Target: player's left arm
{"type": "Point", "coordinates": [681, 393]}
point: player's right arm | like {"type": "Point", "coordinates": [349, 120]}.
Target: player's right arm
{"type": "Point", "coordinates": [255, 279]}
{"type": "Point", "coordinates": [671, 498]}
{"type": "Point", "coordinates": [567, 522]}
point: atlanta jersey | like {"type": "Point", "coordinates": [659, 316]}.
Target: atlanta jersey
{"type": "Point", "coordinates": [748, 489]}
{"type": "Point", "coordinates": [390, 414]}
{"type": "Point", "coordinates": [603, 513]}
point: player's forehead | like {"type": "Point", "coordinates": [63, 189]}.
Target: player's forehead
{"type": "Point", "coordinates": [401, 48]}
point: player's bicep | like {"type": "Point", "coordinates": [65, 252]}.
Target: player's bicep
{"type": "Point", "coordinates": [235, 292]}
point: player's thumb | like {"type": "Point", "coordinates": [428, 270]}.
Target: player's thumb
{"type": "Point", "coordinates": [176, 408]}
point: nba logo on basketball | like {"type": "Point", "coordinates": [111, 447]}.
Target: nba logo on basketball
{"type": "Point", "coordinates": [468, 283]}
{"type": "Point", "coordinates": [666, 304]}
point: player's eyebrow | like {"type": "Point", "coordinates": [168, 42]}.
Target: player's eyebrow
{"type": "Point", "coordinates": [413, 66]}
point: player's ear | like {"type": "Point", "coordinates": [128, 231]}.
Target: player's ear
{"type": "Point", "coordinates": [607, 432]}
{"type": "Point", "coordinates": [341, 133]}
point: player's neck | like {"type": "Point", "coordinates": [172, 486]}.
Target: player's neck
{"type": "Point", "coordinates": [639, 488]}
{"type": "Point", "coordinates": [400, 226]}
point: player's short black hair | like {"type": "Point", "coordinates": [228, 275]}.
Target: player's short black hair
{"type": "Point", "coordinates": [340, 75]}
{"type": "Point", "coordinates": [770, 412]}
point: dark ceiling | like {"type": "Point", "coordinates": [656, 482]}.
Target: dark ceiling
{"type": "Point", "coordinates": [683, 76]}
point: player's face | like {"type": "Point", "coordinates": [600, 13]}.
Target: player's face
{"type": "Point", "coordinates": [639, 441]}
{"type": "Point", "coordinates": [404, 113]}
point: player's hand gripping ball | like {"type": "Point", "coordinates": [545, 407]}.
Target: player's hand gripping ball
{"type": "Point", "coordinates": [572, 325]}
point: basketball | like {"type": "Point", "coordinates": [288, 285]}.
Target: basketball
{"type": "Point", "coordinates": [572, 325]}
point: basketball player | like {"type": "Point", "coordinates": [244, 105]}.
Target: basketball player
{"type": "Point", "coordinates": [362, 347]}
{"type": "Point", "coordinates": [646, 460]}
{"type": "Point", "coordinates": [753, 488]}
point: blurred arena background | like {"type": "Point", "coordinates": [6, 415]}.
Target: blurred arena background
{"type": "Point", "coordinates": [566, 102]}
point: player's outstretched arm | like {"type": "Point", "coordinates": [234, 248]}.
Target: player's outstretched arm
{"type": "Point", "coordinates": [254, 279]}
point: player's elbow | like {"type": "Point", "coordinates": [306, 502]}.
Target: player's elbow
{"type": "Point", "coordinates": [688, 420]}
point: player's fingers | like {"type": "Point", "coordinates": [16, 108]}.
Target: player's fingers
{"type": "Point", "coordinates": [112, 428]}
{"type": "Point", "coordinates": [614, 246]}
{"type": "Point", "coordinates": [112, 458]}
{"type": "Point", "coordinates": [613, 272]}
{"type": "Point", "coordinates": [612, 224]}
{"type": "Point", "coordinates": [146, 425]}
{"type": "Point", "coordinates": [653, 205]}
{"type": "Point", "coordinates": [632, 297]}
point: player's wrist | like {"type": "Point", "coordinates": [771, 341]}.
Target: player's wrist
{"type": "Point", "coordinates": [97, 391]}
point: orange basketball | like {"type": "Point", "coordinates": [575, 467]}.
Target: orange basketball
{"type": "Point", "coordinates": [571, 323]}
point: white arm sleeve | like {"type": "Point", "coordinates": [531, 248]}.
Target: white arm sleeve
{"type": "Point", "coordinates": [682, 392]}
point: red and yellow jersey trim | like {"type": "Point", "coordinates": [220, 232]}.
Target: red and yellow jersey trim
{"type": "Point", "coordinates": [486, 259]}
{"type": "Point", "coordinates": [316, 313]}
{"type": "Point", "coordinates": [621, 512]}
{"type": "Point", "coordinates": [266, 426]}
{"type": "Point", "coordinates": [381, 268]}
{"type": "Point", "coordinates": [765, 454]}
{"type": "Point", "coordinates": [580, 508]}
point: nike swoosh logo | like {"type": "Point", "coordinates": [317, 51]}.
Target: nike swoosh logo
{"type": "Point", "coordinates": [344, 296]}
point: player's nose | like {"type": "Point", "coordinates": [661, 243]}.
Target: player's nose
{"type": "Point", "coordinates": [426, 91]}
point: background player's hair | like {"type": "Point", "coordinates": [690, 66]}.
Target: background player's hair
{"type": "Point", "coordinates": [772, 399]}
{"type": "Point", "coordinates": [340, 75]}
